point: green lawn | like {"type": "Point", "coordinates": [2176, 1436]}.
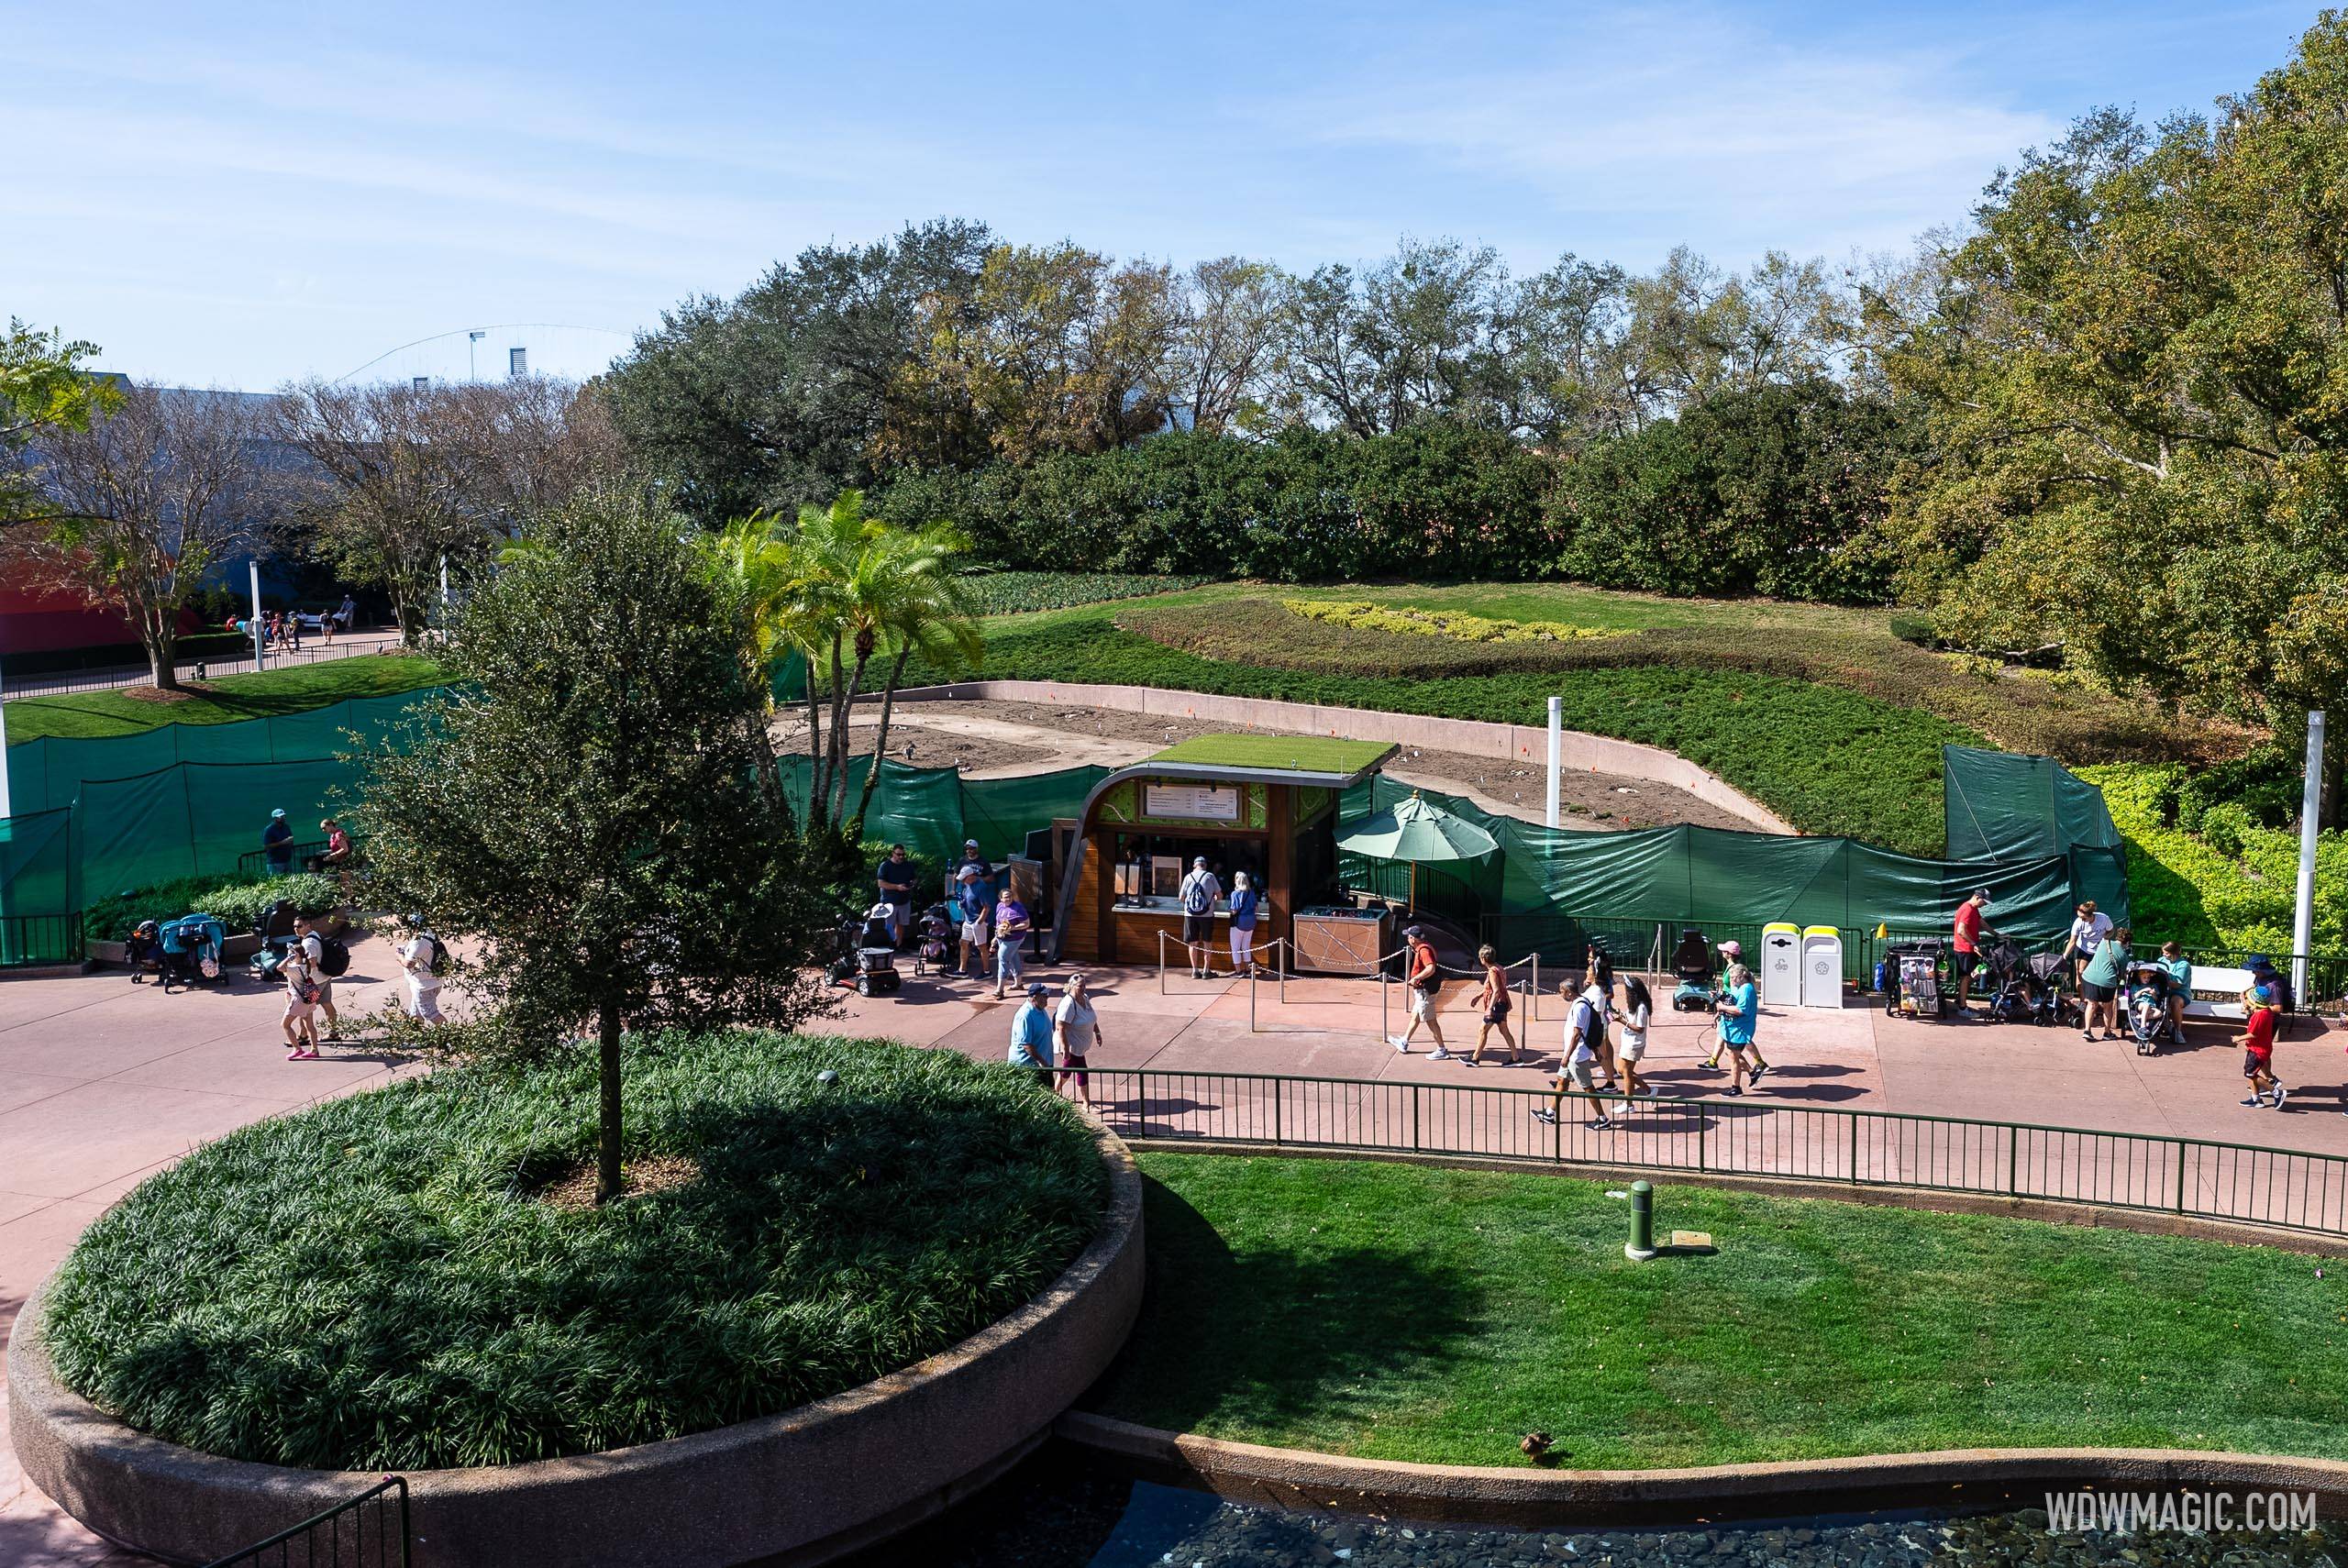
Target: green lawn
{"type": "Point", "coordinates": [271, 693]}
{"type": "Point", "coordinates": [1400, 1312]}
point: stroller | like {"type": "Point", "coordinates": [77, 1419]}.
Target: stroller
{"type": "Point", "coordinates": [867, 957]}
{"type": "Point", "coordinates": [1691, 961]}
{"type": "Point", "coordinates": [2010, 985]}
{"type": "Point", "coordinates": [2047, 1002]}
{"type": "Point", "coordinates": [934, 948]}
{"type": "Point", "coordinates": [275, 929]}
{"type": "Point", "coordinates": [2150, 986]}
{"type": "Point", "coordinates": [1912, 980]}
{"type": "Point", "coordinates": [143, 950]}
{"type": "Point", "coordinates": [191, 950]}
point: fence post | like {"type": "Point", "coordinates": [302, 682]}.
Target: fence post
{"type": "Point", "coordinates": [1852, 1127]}
{"type": "Point", "coordinates": [1532, 1007]}
{"type": "Point", "coordinates": [1414, 1119]}
{"type": "Point", "coordinates": [1276, 1109]}
{"type": "Point", "coordinates": [1703, 1130]}
{"type": "Point", "coordinates": [2013, 1162]}
{"type": "Point", "coordinates": [2180, 1175]}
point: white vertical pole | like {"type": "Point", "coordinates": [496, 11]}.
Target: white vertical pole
{"type": "Point", "coordinates": [259, 651]}
{"type": "Point", "coordinates": [2303, 909]}
{"type": "Point", "coordinates": [444, 590]}
{"type": "Point", "coordinates": [1557, 754]}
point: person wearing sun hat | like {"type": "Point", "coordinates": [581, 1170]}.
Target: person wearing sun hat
{"type": "Point", "coordinates": [277, 843]}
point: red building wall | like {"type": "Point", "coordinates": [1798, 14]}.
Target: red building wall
{"type": "Point", "coordinates": [34, 620]}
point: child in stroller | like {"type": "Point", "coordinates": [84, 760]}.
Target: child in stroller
{"type": "Point", "coordinates": [2012, 987]}
{"type": "Point", "coordinates": [935, 944]}
{"type": "Point", "coordinates": [2152, 1020]}
{"type": "Point", "coordinates": [275, 929]}
{"type": "Point", "coordinates": [867, 957]}
{"type": "Point", "coordinates": [1692, 965]}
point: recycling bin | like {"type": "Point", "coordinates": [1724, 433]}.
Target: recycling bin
{"type": "Point", "coordinates": [1821, 966]}
{"type": "Point", "coordinates": [1782, 964]}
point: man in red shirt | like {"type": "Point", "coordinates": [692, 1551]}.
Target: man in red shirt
{"type": "Point", "coordinates": [1422, 978]}
{"type": "Point", "coordinates": [2257, 1043]}
{"type": "Point", "coordinates": [1967, 941]}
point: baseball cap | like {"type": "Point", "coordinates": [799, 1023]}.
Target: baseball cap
{"type": "Point", "coordinates": [1037, 988]}
{"type": "Point", "coordinates": [1733, 948]}
{"type": "Point", "coordinates": [1414, 931]}
{"type": "Point", "coordinates": [1982, 894]}
{"type": "Point", "coordinates": [278, 812]}
{"type": "Point", "coordinates": [2264, 993]}
{"type": "Point", "coordinates": [969, 844]}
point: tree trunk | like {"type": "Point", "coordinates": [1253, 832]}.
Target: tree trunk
{"type": "Point", "coordinates": [607, 1150]}
{"type": "Point", "coordinates": [841, 737]}
{"type": "Point", "coordinates": [880, 743]}
{"type": "Point", "coordinates": [162, 661]}
{"type": "Point", "coordinates": [814, 752]}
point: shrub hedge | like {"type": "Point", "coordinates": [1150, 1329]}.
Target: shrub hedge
{"type": "Point", "coordinates": [1014, 592]}
{"type": "Point", "coordinates": [1829, 761]}
{"type": "Point", "coordinates": [1456, 625]}
{"type": "Point", "coordinates": [377, 1283]}
{"type": "Point", "coordinates": [238, 903]}
{"type": "Point", "coordinates": [2230, 886]}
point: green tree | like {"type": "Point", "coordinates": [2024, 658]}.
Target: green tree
{"type": "Point", "coordinates": [42, 387]}
{"type": "Point", "coordinates": [2137, 371]}
{"type": "Point", "coordinates": [595, 805]}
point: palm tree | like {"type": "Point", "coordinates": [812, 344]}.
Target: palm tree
{"type": "Point", "coordinates": [842, 589]}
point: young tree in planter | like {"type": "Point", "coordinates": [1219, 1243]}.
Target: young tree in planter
{"type": "Point", "coordinates": [595, 802]}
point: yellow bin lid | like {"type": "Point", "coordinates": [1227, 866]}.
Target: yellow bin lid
{"type": "Point", "coordinates": [1809, 931]}
{"type": "Point", "coordinates": [1780, 926]}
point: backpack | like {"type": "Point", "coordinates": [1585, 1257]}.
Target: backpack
{"type": "Point", "coordinates": [1433, 980]}
{"type": "Point", "coordinates": [334, 955]}
{"type": "Point", "coordinates": [1196, 900]}
{"type": "Point", "coordinates": [439, 961]}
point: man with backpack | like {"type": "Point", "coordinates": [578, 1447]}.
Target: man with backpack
{"type": "Point", "coordinates": [1198, 891]}
{"type": "Point", "coordinates": [1422, 978]}
{"type": "Point", "coordinates": [425, 960]}
{"type": "Point", "coordinates": [327, 957]}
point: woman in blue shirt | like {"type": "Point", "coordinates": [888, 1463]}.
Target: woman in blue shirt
{"type": "Point", "coordinates": [1244, 903]}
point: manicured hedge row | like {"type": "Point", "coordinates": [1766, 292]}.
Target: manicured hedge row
{"type": "Point", "coordinates": [1016, 593]}
{"type": "Point", "coordinates": [2230, 886]}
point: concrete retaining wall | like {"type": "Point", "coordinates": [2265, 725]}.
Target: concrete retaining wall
{"type": "Point", "coordinates": [1519, 743]}
{"type": "Point", "coordinates": [801, 1487]}
{"type": "Point", "coordinates": [1525, 1497]}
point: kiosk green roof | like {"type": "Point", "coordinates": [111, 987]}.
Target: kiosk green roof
{"type": "Point", "coordinates": [1311, 755]}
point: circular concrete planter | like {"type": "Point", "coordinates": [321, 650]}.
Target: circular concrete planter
{"type": "Point", "coordinates": [800, 1487]}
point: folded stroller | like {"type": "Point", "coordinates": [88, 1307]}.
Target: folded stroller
{"type": "Point", "coordinates": [191, 950]}
{"type": "Point", "coordinates": [1691, 964]}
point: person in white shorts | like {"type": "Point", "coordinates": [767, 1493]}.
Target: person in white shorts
{"type": "Point", "coordinates": [313, 948]}
{"type": "Point", "coordinates": [1422, 978]}
{"type": "Point", "coordinates": [423, 984]}
{"type": "Point", "coordinates": [1585, 1032]}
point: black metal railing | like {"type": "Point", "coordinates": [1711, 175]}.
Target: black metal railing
{"type": "Point", "coordinates": [36, 940]}
{"type": "Point", "coordinates": [368, 1531]}
{"type": "Point", "coordinates": [2288, 1188]}
{"type": "Point", "coordinates": [254, 863]}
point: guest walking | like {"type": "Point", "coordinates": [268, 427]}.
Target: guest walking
{"type": "Point", "coordinates": [1495, 1003]}
{"type": "Point", "coordinates": [1076, 1029]}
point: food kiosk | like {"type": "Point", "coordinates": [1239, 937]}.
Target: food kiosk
{"type": "Point", "coordinates": [1263, 804]}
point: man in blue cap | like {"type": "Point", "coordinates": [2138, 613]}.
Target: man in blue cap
{"type": "Point", "coordinates": [277, 843]}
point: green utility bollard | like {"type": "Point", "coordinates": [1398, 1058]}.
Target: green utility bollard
{"type": "Point", "coordinates": [1641, 1246]}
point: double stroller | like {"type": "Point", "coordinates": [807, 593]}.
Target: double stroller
{"type": "Point", "coordinates": [868, 956]}
{"type": "Point", "coordinates": [189, 950]}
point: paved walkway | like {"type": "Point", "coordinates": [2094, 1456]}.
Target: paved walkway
{"type": "Point", "coordinates": [314, 650]}
{"type": "Point", "coordinates": [103, 1083]}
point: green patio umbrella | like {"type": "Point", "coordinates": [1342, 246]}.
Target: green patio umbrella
{"type": "Point", "coordinates": [1416, 829]}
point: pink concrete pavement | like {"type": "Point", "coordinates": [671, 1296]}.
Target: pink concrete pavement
{"type": "Point", "coordinates": [103, 1083]}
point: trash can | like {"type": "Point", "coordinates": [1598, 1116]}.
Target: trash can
{"type": "Point", "coordinates": [1782, 964]}
{"type": "Point", "coordinates": [1821, 966]}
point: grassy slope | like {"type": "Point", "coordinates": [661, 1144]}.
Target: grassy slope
{"type": "Point", "coordinates": [231, 697]}
{"type": "Point", "coordinates": [370, 1283]}
{"type": "Point", "coordinates": [1829, 761]}
{"type": "Point", "coordinates": [1400, 1312]}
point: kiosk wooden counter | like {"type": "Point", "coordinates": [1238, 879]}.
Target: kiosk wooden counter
{"type": "Point", "coordinates": [1266, 805]}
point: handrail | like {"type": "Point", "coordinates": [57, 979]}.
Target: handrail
{"type": "Point", "coordinates": [2202, 1178]}
{"type": "Point", "coordinates": [391, 1539]}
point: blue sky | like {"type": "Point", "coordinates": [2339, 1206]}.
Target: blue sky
{"type": "Point", "coordinates": [239, 195]}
